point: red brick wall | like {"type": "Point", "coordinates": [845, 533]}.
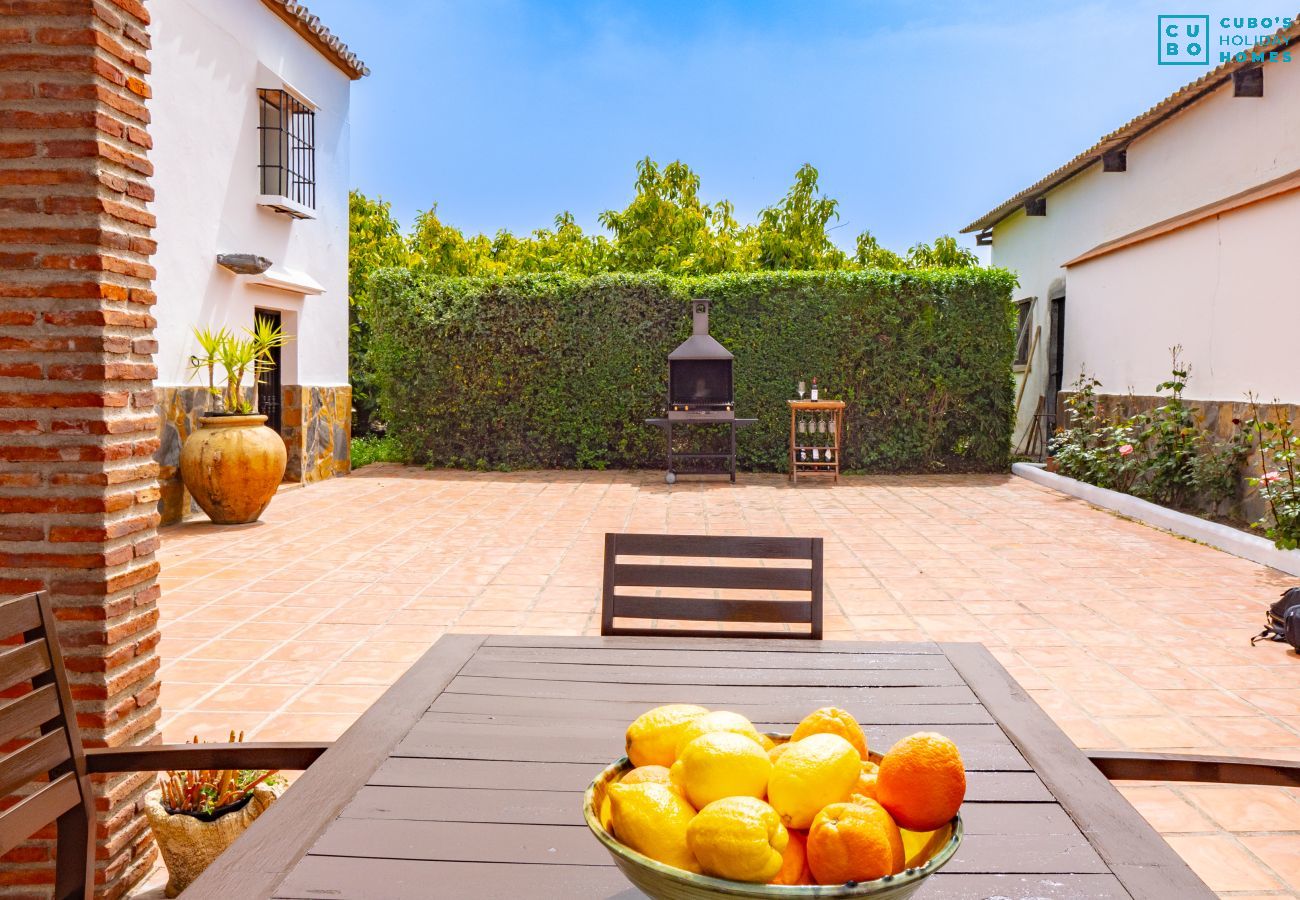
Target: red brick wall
{"type": "Point", "coordinates": [78, 489]}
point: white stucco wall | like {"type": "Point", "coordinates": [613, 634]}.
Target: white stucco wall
{"type": "Point", "coordinates": [209, 59]}
{"type": "Point", "coordinates": [1218, 147]}
{"type": "Point", "coordinates": [1207, 287]}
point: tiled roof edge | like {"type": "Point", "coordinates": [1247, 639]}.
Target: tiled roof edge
{"type": "Point", "coordinates": [314, 31]}
{"type": "Point", "coordinates": [1175, 102]}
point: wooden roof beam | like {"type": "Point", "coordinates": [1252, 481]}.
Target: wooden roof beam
{"type": "Point", "coordinates": [1248, 82]}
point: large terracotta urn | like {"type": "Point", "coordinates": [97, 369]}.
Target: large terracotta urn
{"type": "Point", "coordinates": [232, 466]}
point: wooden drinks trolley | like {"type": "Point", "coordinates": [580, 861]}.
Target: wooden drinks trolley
{"type": "Point", "coordinates": [816, 437]}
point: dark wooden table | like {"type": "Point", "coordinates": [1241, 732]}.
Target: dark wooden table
{"type": "Point", "coordinates": [465, 779]}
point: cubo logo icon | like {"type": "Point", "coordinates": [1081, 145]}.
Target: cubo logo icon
{"type": "Point", "coordinates": [1183, 40]}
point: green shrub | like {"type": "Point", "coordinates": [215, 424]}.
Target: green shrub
{"type": "Point", "coordinates": [1279, 476]}
{"type": "Point", "coordinates": [373, 448]}
{"type": "Point", "coordinates": [560, 370]}
{"type": "Point", "coordinates": [1166, 455]}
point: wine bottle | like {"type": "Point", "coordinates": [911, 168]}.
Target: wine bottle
{"type": "Point", "coordinates": [813, 395]}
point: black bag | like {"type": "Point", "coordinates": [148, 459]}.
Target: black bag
{"type": "Point", "coordinates": [1283, 620]}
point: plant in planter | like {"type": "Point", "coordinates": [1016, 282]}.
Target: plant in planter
{"type": "Point", "coordinates": [232, 464]}
{"type": "Point", "coordinates": [1279, 480]}
{"type": "Point", "coordinates": [195, 815]}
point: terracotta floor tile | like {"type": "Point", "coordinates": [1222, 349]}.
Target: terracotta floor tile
{"type": "Point", "coordinates": [348, 672]}
{"type": "Point", "coordinates": [315, 651]}
{"type": "Point", "coordinates": [304, 727]}
{"type": "Point", "coordinates": [210, 726]}
{"type": "Point", "coordinates": [388, 651]}
{"type": "Point", "coordinates": [1254, 731]}
{"type": "Point", "coordinates": [1281, 852]}
{"type": "Point", "coordinates": [344, 632]}
{"type": "Point", "coordinates": [1222, 863]}
{"type": "Point", "coordinates": [248, 698]}
{"type": "Point", "coordinates": [1167, 812]}
{"type": "Point", "coordinates": [282, 672]}
{"type": "Point", "coordinates": [1203, 703]}
{"type": "Point", "coordinates": [233, 649]}
{"type": "Point", "coordinates": [200, 671]}
{"type": "Point", "coordinates": [336, 699]}
{"type": "Point", "coordinates": [1153, 732]}
{"type": "Point", "coordinates": [175, 696]}
{"type": "Point", "coordinates": [1247, 808]}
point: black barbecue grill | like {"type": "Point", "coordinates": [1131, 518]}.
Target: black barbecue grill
{"type": "Point", "coordinates": [700, 392]}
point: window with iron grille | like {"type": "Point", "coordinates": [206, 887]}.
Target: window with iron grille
{"type": "Point", "coordinates": [287, 128]}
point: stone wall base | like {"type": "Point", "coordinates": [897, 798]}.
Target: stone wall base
{"type": "Point", "coordinates": [315, 423]}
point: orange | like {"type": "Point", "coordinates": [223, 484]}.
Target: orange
{"type": "Point", "coordinates": [794, 861]}
{"type": "Point", "coordinates": [832, 720]}
{"type": "Point", "coordinates": [775, 752]}
{"type": "Point", "coordinates": [921, 781]}
{"type": "Point", "coordinates": [866, 785]}
{"type": "Point", "coordinates": [854, 841]}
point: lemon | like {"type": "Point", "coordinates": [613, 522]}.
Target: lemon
{"type": "Point", "coordinates": [652, 738]}
{"type": "Point", "coordinates": [740, 838]}
{"type": "Point", "coordinates": [819, 770]}
{"type": "Point", "coordinates": [721, 764]}
{"type": "Point", "coordinates": [652, 819]}
{"type": "Point", "coordinates": [721, 720]}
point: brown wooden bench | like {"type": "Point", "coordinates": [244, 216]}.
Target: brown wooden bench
{"type": "Point", "coordinates": [53, 769]}
{"type": "Point", "coordinates": [617, 604]}
{"type": "Point", "coordinates": [1124, 765]}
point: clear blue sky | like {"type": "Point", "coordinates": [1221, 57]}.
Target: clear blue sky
{"type": "Point", "coordinates": [920, 116]}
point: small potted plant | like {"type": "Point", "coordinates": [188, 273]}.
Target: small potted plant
{"type": "Point", "coordinates": [232, 463]}
{"type": "Point", "coordinates": [195, 815]}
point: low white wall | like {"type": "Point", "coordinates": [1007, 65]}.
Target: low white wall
{"type": "Point", "coordinates": [209, 59]}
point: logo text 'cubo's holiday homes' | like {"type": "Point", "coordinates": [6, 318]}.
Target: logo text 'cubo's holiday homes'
{"type": "Point", "coordinates": [1185, 40]}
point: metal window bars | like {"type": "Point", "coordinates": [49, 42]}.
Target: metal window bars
{"type": "Point", "coordinates": [287, 131]}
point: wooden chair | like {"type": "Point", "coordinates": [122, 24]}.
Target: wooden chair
{"type": "Point", "coordinates": [761, 578]}
{"type": "Point", "coordinates": [57, 753]}
{"type": "Point", "coordinates": [1122, 765]}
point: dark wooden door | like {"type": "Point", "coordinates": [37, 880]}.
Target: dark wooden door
{"type": "Point", "coordinates": [269, 394]}
{"type": "Point", "coordinates": [1055, 358]}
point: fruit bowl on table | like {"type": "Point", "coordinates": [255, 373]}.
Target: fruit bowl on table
{"type": "Point", "coordinates": [664, 882]}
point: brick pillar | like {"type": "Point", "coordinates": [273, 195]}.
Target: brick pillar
{"type": "Point", "coordinates": [78, 487]}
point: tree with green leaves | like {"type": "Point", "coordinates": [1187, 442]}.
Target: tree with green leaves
{"type": "Point", "coordinates": [944, 253]}
{"type": "Point", "coordinates": [375, 241]}
{"type": "Point", "coordinates": [792, 234]}
{"type": "Point", "coordinates": [870, 255]}
{"type": "Point", "coordinates": [668, 228]}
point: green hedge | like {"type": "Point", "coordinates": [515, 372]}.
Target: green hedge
{"type": "Point", "coordinates": [560, 371]}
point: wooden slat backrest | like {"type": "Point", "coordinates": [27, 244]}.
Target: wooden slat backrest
{"type": "Point", "coordinates": [616, 605]}
{"type": "Point", "coordinates": [51, 768]}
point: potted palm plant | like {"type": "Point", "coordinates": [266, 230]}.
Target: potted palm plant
{"type": "Point", "coordinates": [232, 463]}
{"type": "Point", "coordinates": [195, 815]}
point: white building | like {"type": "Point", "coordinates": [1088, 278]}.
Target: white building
{"type": "Point", "coordinates": [1171, 230]}
{"type": "Point", "coordinates": [250, 150]}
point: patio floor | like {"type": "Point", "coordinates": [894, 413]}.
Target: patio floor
{"type": "Point", "coordinates": [1127, 636]}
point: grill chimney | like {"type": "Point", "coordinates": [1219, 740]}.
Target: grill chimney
{"type": "Point", "coordinates": [700, 317]}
